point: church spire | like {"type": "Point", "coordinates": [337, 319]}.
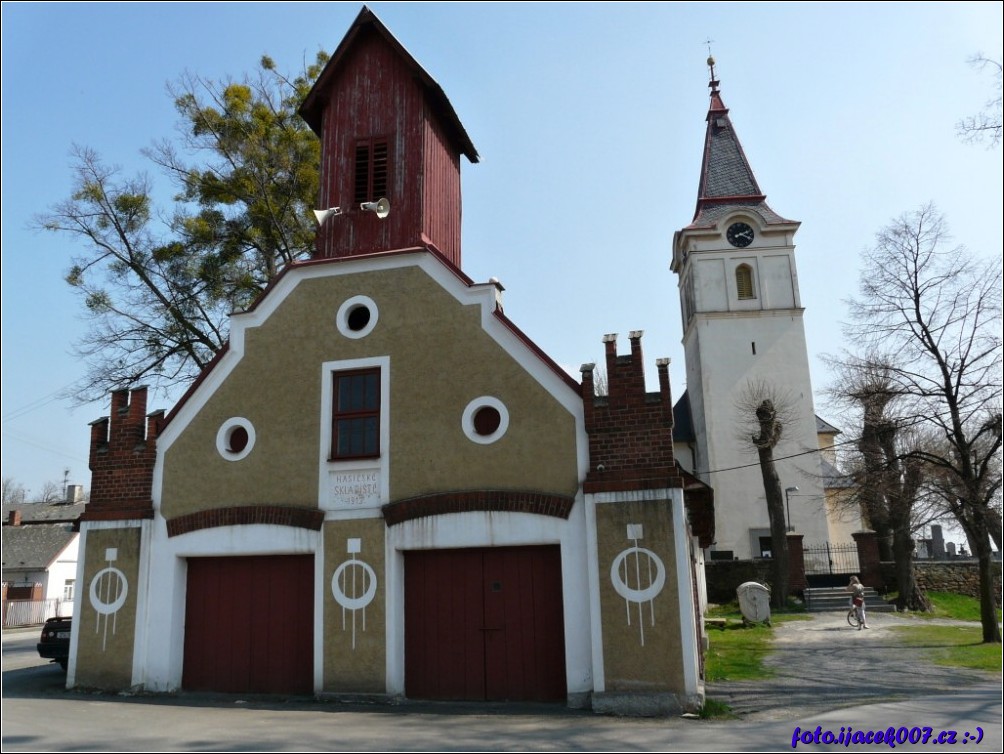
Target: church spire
{"type": "Point", "coordinates": [727, 179]}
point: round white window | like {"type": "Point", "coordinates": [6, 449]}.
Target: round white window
{"type": "Point", "coordinates": [485, 420]}
{"type": "Point", "coordinates": [235, 438]}
{"type": "Point", "coordinates": [357, 317]}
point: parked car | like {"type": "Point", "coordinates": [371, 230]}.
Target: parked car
{"type": "Point", "coordinates": [54, 644]}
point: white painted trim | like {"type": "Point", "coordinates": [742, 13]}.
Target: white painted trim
{"type": "Point", "coordinates": [142, 601]}
{"type": "Point", "coordinates": [78, 602]}
{"type": "Point", "coordinates": [483, 296]}
{"type": "Point", "coordinates": [685, 590]}
{"type": "Point", "coordinates": [347, 307]}
{"type": "Point", "coordinates": [495, 529]}
{"type": "Point", "coordinates": [382, 464]}
{"type": "Point", "coordinates": [165, 617]}
{"type": "Point", "coordinates": [467, 419]}
{"type": "Point", "coordinates": [595, 613]}
{"type": "Point", "coordinates": [79, 588]}
{"type": "Point", "coordinates": [223, 438]}
{"type": "Point", "coordinates": [320, 590]}
{"type": "Point", "coordinates": [623, 496]}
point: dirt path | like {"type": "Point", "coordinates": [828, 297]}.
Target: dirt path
{"type": "Point", "coordinates": [823, 664]}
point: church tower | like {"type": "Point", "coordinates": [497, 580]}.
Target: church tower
{"type": "Point", "coordinates": [742, 330]}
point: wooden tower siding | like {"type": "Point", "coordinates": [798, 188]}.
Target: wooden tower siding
{"type": "Point", "coordinates": [441, 192]}
{"type": "Point", "coordinates": [373, 89]}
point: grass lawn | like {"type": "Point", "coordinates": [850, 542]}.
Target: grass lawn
{"type": "Point", "coordinates": [957, 646]}
{"type": "Point", "coordinates": [736, 652]}
{"type": "Point", "coordinates": [955, 606]}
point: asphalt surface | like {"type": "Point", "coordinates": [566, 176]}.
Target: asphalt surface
{"type": "Point", "coordinates": [824, 664]}
{"type": "Point", "coordinates": [828, 676]}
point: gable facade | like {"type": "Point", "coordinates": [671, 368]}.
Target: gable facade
{"type": "Point", "coordinates": [382, 487]}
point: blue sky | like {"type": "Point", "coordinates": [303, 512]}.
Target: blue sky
{"type": "Point", "coordinates": [590, 122]}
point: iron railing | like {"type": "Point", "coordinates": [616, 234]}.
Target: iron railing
{"type": "Point", "coordinates": [830, 558]}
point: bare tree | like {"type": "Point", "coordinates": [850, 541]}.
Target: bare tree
{"type": "Point", "coordinates": [764, 411]}
{"type": "Point", "coordinates": [892, 479]}
{"type": "Point", "coordinates": [51, 492]}
{"type": "Point", "coordinates": [934, 314]}
{"type": "Point", "coordinates": [13, 491]}
{"type": "Point", "coordinates": [985, 126]}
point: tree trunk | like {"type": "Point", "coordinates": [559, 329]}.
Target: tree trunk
{"type": "Point", "coordinates": [910, 595]}
{"type": "Point", "coordinates": [979, 543]}
{"type": "Point", "coordinates": [778, 535]}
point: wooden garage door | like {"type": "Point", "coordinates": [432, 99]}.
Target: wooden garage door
{"type": "Point", "coordinates": [249, 625]}
{"type": "Point", "coordinates": [484, 624]}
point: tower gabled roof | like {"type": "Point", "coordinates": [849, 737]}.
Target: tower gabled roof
{"type": "Point", "coordinates": [312, 109]}
{"type": "Point", "coordinates": [727, 180]}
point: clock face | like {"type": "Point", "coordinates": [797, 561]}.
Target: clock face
{"type": "Point", "coordinates": [740, 235]}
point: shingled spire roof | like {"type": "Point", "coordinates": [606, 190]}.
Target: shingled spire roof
{"type": "Point", "coordinates": [727, 180]}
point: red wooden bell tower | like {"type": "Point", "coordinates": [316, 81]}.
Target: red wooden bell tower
{"type": "Point", "coordinates": [387, 130]}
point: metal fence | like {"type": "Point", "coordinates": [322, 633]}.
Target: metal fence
{"type": "Point", "coordinates": [830, 559]}
{"type": "Point", "coordinates": [33, 612]}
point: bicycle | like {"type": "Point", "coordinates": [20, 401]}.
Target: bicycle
{"type": "Point", "coordinates": [854, 617]}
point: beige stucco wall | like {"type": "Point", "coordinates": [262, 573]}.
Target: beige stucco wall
{"type": "Point", "coordinates": [355, 656]}
{"type": "Point", "coordinates": [629, 664]}
{"type": "Point", "coordinates": [843, 515]}
{"type": "Point", "coordinates": [440, 359]}
{"type": "Point", "coordinates": [105, 642]}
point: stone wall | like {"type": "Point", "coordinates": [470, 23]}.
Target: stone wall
{"type": "Point", "coordinates": [723, 576]}
{"type": "Point", "coordinates": [959, 576]}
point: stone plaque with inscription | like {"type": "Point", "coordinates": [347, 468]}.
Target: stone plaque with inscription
{"type": "Point", "coordinates": [354, 489]}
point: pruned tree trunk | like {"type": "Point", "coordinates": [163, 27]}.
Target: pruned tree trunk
{"type": "Point", "coordinates": [911, 596]}
{"type": "Point", "coordinates": [766, 441]}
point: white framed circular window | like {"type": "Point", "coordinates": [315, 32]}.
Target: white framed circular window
{"type": "Point", "coordinates": [235, 438]}
{"type": "Point", "coordinates": [485, 420]}
{"type": "Point", "coordinates": [357, 317]}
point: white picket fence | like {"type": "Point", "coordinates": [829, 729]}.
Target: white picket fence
{"type": "Point", "coordinates": [34, 612]}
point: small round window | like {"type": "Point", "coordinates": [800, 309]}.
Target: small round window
{"type": "Point", "coordinates": [485, 420]}
{"type": "Point", "coordinates": [235, 438]}
{"type": "Point", "coordinates": [357, 317]}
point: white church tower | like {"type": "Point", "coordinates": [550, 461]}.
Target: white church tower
{"type": "Point", "coordinates": [742, 325]}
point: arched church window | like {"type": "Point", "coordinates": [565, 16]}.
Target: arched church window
{"type": "Point", "coordinates": [744, 281]}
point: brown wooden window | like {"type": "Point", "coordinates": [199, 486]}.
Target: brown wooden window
{"type": "Point", "coordinates": [355, 426]}
{"type": "Point", "coordinates": [372, 165]}
{"type": "Point", "coordinates": [744, 281]}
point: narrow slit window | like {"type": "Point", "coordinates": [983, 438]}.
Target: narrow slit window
{"type": "Point", "coordinates": [744, 281]}
{"type": "Point", "coordinates": [372, 170]}
{"type": "Point", "coordinates": [362, 172]}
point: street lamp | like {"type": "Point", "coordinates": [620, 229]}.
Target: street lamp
{"type": "Point", "coordinates": [787, 502]}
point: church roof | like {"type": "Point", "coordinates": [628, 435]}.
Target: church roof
{"type": "Point", "coordinates": [833, 477]}
{"type": "Point", "coordinates": [683, 420]}
{"type": "Point", "coordinates": [727, 180]}
{"type": "Point", "coordinates": [823, 426]}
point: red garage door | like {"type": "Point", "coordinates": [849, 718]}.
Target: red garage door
{"type": "Point", "coordinates": [484, 624]}
{"type": "Point", "coordinates": [249, 625]}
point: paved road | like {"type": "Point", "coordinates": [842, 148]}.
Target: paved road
{"type": "Point", "coordinates": [824, 664]}
{"type": "Point", "coordinates": [38, 715]}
